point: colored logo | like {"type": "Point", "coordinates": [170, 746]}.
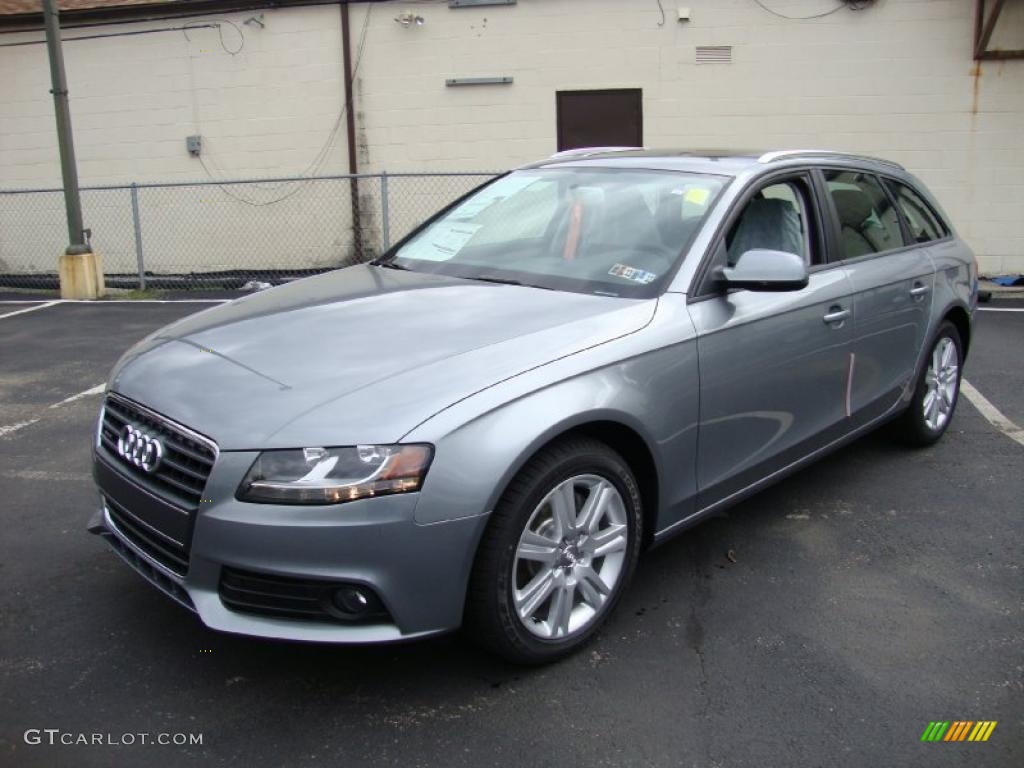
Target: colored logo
{"type": "Point", "coordinates": [958, 730]}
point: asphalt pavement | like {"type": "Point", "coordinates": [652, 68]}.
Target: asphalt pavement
{"type": "Point", "coordinates": [824, 622]}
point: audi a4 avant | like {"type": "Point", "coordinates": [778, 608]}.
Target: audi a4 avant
{"type": "Point", "coordinates": [487, 425]}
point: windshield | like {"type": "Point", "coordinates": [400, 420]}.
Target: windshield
{"type": "Point", "coordinates": [608, 231]}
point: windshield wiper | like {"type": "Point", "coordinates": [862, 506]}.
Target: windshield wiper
{"type": "Point", "coordinates": [391, 265]}
{"type": "Point", "coordinates": [508, 281]}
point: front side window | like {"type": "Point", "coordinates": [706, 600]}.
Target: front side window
{"type": "Point", "coordinates": [924, 225]}
{"type": "Point", "coordinates": [868, 223]}
{"type": "Point", "coordinates": [776, 218]}
{"type": "Point", "coordinates": [607, 231]}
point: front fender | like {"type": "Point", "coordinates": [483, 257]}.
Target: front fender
{"type": "Point", "coordinates": [647, 382]}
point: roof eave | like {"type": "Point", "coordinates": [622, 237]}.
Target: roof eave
{"type": "Point", "coordinates": [24, 22]}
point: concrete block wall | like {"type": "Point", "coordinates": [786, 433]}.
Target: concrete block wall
{"type": "Point", "coordinates": [267, 110]}
{"type": "Point", "coordinates": [896, 79]}
{"type": "Point", "coordinates": [266, 102]}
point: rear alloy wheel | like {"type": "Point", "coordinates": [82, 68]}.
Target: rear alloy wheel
{"type": "Point", "coordinates": [937, 390]}
{"type": "Point", "coordinates": [942, 380]}
{"type": "Point", "coordinates": [561, 545]}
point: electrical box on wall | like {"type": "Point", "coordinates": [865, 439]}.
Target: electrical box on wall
{"type": "Point", "coordinates": [194, 145]}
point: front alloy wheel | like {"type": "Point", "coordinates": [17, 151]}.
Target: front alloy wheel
{"type": "Point", "coordinates": [558, 552]}
{"type": "Point", "coordinates": [570, 557]}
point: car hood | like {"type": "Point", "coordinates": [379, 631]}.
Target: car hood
{"type": "Point", "coordinates": [359, 355]}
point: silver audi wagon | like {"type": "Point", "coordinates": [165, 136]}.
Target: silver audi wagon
{"type": "Point", "coordinates": [487, 425]}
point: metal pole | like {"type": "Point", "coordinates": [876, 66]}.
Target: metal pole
{"type": "Point", "coordinates": [350, 128]}
{"type": "Point", "coordinates": [68, 167]}
{"type": "Point", "coordinates": [384, 215]}
{"type": "Point", "coordinates": [138, 237]}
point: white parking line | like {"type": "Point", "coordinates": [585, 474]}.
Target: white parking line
{"type": "Point", "coordinates": [1000, 309]}
{"type": "Point", "coordinates": [11, 428]}
{"type": "Point", "coordinates": [115, 301]}
{"type": "Point", "coordinates": [37, 474]}
{"type": "Point", "coordinates": [28, 309]}
{"type": "Point", "coordinates": [990, 412]}
{"type": "Point", "coordinates": [98, 389]}
{"type": "Point", "coordinates": [8, 429]}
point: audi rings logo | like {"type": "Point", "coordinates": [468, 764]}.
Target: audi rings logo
{"type": "Point", "coordinates": [138, 448]}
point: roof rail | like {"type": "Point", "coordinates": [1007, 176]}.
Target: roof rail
{"type": "Point", "coordinates": [789, 154]}
{"type": "Point", "coordinates": [585, 151]}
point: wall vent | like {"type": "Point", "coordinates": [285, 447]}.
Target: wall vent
{"type": "Point", "coordinates": [714, 54]}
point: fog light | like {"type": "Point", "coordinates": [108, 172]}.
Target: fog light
{"type": "Point", "coordinates": [355, 602]}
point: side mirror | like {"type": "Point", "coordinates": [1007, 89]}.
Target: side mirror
{"type": "Point", "coordinates": [763, 270]}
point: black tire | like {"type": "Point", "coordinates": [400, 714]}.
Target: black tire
{"type": "Point", "coordinates": [491, 617]}
{"type": "Point", "coordinates": [912, 427]}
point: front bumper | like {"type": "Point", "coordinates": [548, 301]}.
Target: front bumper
{"type": "Point", "coordinates": [419, 571]}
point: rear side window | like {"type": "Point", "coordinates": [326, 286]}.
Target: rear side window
{"type": "Point", "coordinates": [924, 225]}
{"type": "Point", "coordinates": [868, 223]}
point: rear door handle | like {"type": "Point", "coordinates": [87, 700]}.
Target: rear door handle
{"type": "Point", "coordinates": [919, 290]}
{"type": "Point", "coordinates": [836, 315]}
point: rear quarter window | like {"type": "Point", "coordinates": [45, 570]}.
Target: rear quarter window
{"type": "Point", "coordinates": [923, 222]}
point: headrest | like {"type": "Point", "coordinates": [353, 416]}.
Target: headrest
{"type": "Point", "coordinates": [852, 206]}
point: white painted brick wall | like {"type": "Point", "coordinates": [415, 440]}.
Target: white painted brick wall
{"type": "Point", "coordinates": [265, 111]}
{"type": "Point", "coordinates": [896, 79]}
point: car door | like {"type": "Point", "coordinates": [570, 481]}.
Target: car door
{"type": "Point", "coordinates": [773, 366]}
{"type": "Point", "coordinates": [892, 279]}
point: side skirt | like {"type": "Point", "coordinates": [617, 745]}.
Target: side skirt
{"type": "Point", "coordinates": [734, 498]}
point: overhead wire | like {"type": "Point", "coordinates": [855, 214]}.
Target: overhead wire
{"type": "Point", "coordinates": [130, 33]}
{"type": "Point", "coordinates": [851, 4]}
{"type": "Point", "coordinates": [220, 33]}
{"type": "Point", "coordinates": [322, 154]}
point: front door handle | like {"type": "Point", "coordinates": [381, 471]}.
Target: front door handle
{"type": "Point", "coordinates": [918, 290]}
{"type": "Point", "coordinates": [836, 315]}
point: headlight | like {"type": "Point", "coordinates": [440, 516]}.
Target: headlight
{"type": "Point", "coordinates": [334, 475]}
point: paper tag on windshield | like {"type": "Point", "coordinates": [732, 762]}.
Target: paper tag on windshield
{"type": "Point", "coordinates": [441, 242]}
{"type": "Point", "coordinates": [641, 276]}
{"type": "Point", "coordinates": [486, 197]}
{"type": "Point", "coordinates": [697, 196]}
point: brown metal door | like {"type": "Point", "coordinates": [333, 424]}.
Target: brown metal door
{"type": "Point", "coordinates": [608, 118]}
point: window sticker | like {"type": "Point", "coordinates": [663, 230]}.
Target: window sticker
{"type": "Point", "coordinates": [485, 198]}
{"type": "Point", "coordinates": [641, 276]}
{"type": "Point", "coordinates": [695, 195]}
{"type": "Point", "coordinates": [441, 242]}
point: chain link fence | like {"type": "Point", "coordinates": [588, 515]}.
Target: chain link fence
{"type": "Point", "coordinates": [224, 234]}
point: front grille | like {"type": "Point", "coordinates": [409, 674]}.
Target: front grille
{"type": "Point", "coordinates": [148, 539]}
{"type": "Point", "coordinates": [291, 598]}
{"type": "Point", "coordinates": [187, 458]}
{"type": "Point", "coordinates": [153, 575]}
